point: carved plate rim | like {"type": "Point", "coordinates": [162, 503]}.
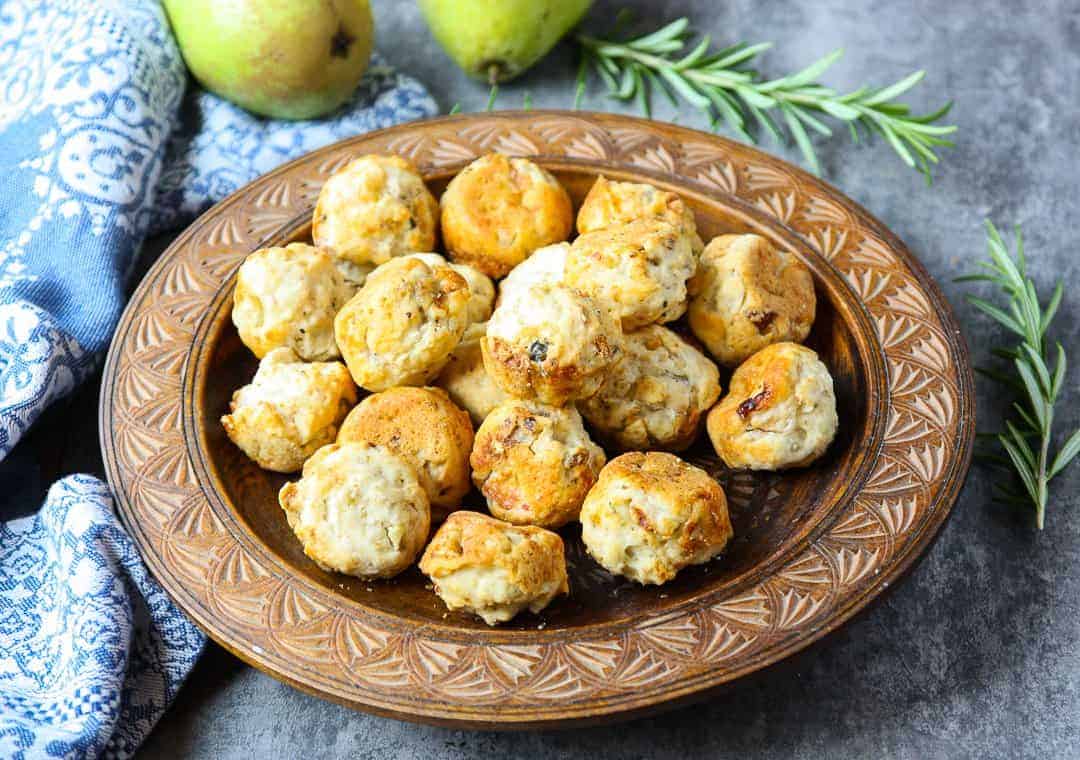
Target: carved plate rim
{"type": "Point", "coordinates": [414, 673]}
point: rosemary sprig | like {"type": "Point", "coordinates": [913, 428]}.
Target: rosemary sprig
{"type": "Point", "coordinates": [1027, 437]}
{"type": "Point", "coordinates": [721, 84]}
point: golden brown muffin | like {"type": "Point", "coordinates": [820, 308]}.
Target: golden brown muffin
{"type": "Point", "coordinates": [534, 463]}
{"type": "Point", "coordinates": [780, 411]}
{"type": "Point", "coordinates": [400, 328]}
{"type": "Point", "coordinates": [372, 209]}
{"type": "Point", "coordinates": [652, 514]}
{"type": "Point", "coordinates": [289, 410]}
{"type": "Point", "coordinates": [609, 203]}
{"type": "Point", "coordinates": [494, 569]}
{"type": "Point", "coordinates": [423, 427]}
{"type": "Point", "coordinates": [481, 288]}
{"type": "Point", "coordinates": [746, 295]}
{"type": "Point", "coordinates": [358, 510]}
{"type": "Point", "coordinates": [288, 298]}
{"type": "Point", "coordinates": [499, 210]}
{"type": "Point", "coordinates": [656, 395]}
{"type": "Point", "coordinates": [552, 343]}
{"type": "Point", "coordinates": [639, 269]}
{"type": "Point", "coordinates": [467, 381]}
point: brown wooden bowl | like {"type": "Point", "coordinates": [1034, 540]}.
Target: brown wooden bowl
{"type": "Point", "coordinates": [812, 546]}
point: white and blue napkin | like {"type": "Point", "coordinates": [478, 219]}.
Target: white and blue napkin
{"type": "Point", "coordinates": [99, 147]}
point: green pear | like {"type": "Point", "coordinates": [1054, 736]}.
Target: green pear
{"type": "Point", "coordinates": [496, 40]}
{"type": "Point", "coordinates": [287, 59]}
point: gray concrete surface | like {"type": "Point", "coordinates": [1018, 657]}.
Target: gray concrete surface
{"type": "Point", "coordinates": [977, 654]}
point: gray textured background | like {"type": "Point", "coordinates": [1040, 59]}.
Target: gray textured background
{"type": "Point", "coordinates": [977, 654]}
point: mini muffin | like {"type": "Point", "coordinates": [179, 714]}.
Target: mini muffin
{"type": "Point", "coordinates": [544, 266]}
{"type": "Point", "coordinates": [780, 411]}
{"type": "Point", "coordinates": [498, 210]}
{"type": "Point", "coordinates": [466, 380]}
{"type": "Point", "coordinates": [553, 344]}
{"type": "Point", "coordinates": [358, 510]}
{"type": "Point", "coordinates": [494, 569]}
{"type": "Point", "coordinates": [652, 514]}
{"type": "Point", "coordinates": [423, 427]}
{"type": "Point", "coordinates": [747, 295]}
{"type": "Point", "coordinates": [534, 463]}
{"type": "Point", "coordinates": [372, 209]}
{"type": "Point", "coordinates": [289, 410]}
{"type": "Point", "coordinates": [400, 328]}
{"type": "Point", "coordinates": [639, 269]}
{"type": "Point", "coordinates": [288, 298]}
{"type": "Point", "coordinates": [609, 203]}
{"type": "Point", "coordinates": [655, 396]}
{"type": "Point", "coordinates": [481, 288]}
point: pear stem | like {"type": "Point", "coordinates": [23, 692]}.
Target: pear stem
{"type": "Point", "coordinates": [493, 80]}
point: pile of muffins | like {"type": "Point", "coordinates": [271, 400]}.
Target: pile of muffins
{"type": "Point", "coordinates": [568, 347]}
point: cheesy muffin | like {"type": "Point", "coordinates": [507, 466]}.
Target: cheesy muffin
{"type": "Point", "coordinates": [652, 514]}
{"type": "Point", "coordinates": [423, 427]}
{"type": "Point", "coordinates": [610, 203]}
{"type": "Point", "coordinates": [534, 463]}
{"type": "Point", "coordinates": [747, 295]}
{"type": "Point", "coordinates": [481, 288]}
{"type": "Point", "coordinates": [288, 298]}
{"type": "Point", "coordinates": [656, 395]}
{"type": "Point", "coordinates": [289, 410]}
{"type": "Point", "coordinates": [400, 328]}
{"type": "Point", "coordinates": [553, 344]}
{"type": "Point", "coordinates": [372, 209]}
{"type": "Point", "coordinates": [498, 210]}
{"type": "Point", "coordinates": [466, 380]}
{"type": "Point", "coordinates": [639, 269]}
{"type": "Point", "coordinates": [358, 509]}
{"type": "Point", "coordinates": [544, 266]}
{"type": "Point", "coordinates": [494, 569]}
{"type": "Point", "coordinates": [780, 411]}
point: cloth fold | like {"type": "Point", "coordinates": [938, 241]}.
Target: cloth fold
{"type": "Point", "coordinates": [99, 147]}
{"type": "Point", "coordinates": [93, 649]}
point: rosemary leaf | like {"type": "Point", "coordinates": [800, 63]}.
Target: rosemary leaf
{"type": "Point", "coordinates": [728, 92]}
{"type": "Point", "coordinates": [582, 79]}
{"type": "Point", "coordinates": [1066, 454]}
{"type": "Point", "coordinates": [1035, 379]}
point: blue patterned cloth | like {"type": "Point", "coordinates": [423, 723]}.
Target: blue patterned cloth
{"type": "Point", "coordinates": [99, 147]}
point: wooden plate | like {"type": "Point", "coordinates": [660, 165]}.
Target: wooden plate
{"type": "Point", "coordinates": [812, 546]}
